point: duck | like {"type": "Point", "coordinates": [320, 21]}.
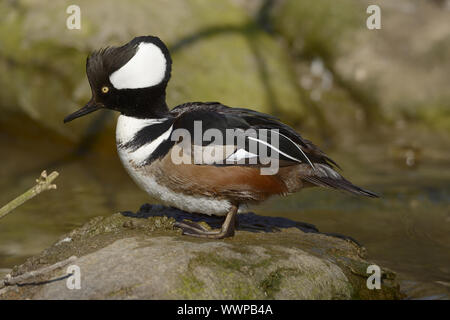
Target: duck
{"type": "Point", "coordinates": [200, 157]}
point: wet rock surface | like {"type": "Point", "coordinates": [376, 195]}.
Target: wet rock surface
{"type": "Point", "coordinates": [140, 256]}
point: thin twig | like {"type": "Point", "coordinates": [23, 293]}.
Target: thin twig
{"type": "Point", "coordinates": [10, 281]}
{"type": "Point", "coordinates": [44, 183]}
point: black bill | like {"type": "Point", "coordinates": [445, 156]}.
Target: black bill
{"type": "Point", "coordinates": [88, 108]}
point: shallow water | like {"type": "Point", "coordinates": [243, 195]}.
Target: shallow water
{"type": "Point", "coordinates": [407, 230]}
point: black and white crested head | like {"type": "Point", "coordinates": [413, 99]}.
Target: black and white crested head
{"type": "Point", "coordinates": [146, 68]}
{"type": "Point", "coordinates": [143, 62]}
{"type": "Point", "coordinates": [131, 79]}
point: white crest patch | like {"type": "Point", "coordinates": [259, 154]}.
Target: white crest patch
{"type": "Point", "coordinates": [147, 68]}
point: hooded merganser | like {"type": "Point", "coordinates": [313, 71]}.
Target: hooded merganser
{"type": "Point", "coordinates": [132, 79]}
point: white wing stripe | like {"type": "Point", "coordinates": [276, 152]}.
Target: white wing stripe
{"type": "Point", "coordinates": [297, 147]}
{"type": "Point", "coordinates": [276, 149]}
{"type": "Point", "coordinates": [241, 154]}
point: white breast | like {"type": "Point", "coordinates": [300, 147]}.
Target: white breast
{"type": "Point", "coordinates": [127, 127]}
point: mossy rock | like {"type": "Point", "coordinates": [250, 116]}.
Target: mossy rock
{"type": "Point", "coordinates": [127, 256]}
{"type": "Point", "coordinates": [316, 28]}
{"type": "Point", "coordinates": [219, 54]}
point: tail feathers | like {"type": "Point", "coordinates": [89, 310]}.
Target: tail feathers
{"type": "Point", "coordinates": [327, 177]}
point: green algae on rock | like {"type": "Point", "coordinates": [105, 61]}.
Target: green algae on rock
{"type": "Point", "coordinates": [140, 256]}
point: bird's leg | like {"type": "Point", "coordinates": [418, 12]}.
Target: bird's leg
{"type": "Point", "coordinates": [196, 230]}
{"type": "Point", "coordinates": [189, 226]}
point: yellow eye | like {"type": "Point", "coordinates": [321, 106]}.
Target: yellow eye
{"type": "Point", "coordinates": [105, 89]}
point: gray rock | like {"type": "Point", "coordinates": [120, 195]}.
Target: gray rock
{"type": "Point", "coordinates": [140, 256]}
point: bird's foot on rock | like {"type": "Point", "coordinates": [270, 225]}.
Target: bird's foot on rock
{"type": "Point", "coordinates": [188, 226]}
{"type": "Point", "coordinates": [197, 230]}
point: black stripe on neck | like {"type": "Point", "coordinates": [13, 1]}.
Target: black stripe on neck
{"type": "Point", "coordinates": [146, 135]}
{"type": "Point", "coordinates": [160, 151]}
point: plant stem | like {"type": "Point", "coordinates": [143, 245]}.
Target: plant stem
{"type": "Point", "coordinates": [44, 182]}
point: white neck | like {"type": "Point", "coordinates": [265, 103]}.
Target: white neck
{"type": "Point", "coordinates": [127, 127]}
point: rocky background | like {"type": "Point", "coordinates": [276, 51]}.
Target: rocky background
{"type": "Point", "coordinates": [310, 63]}
{"type": "Point", "coordinates": [376, 100]}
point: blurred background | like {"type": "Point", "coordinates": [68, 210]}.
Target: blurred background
{"type": "Point", "coordinates": [377, 101]}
